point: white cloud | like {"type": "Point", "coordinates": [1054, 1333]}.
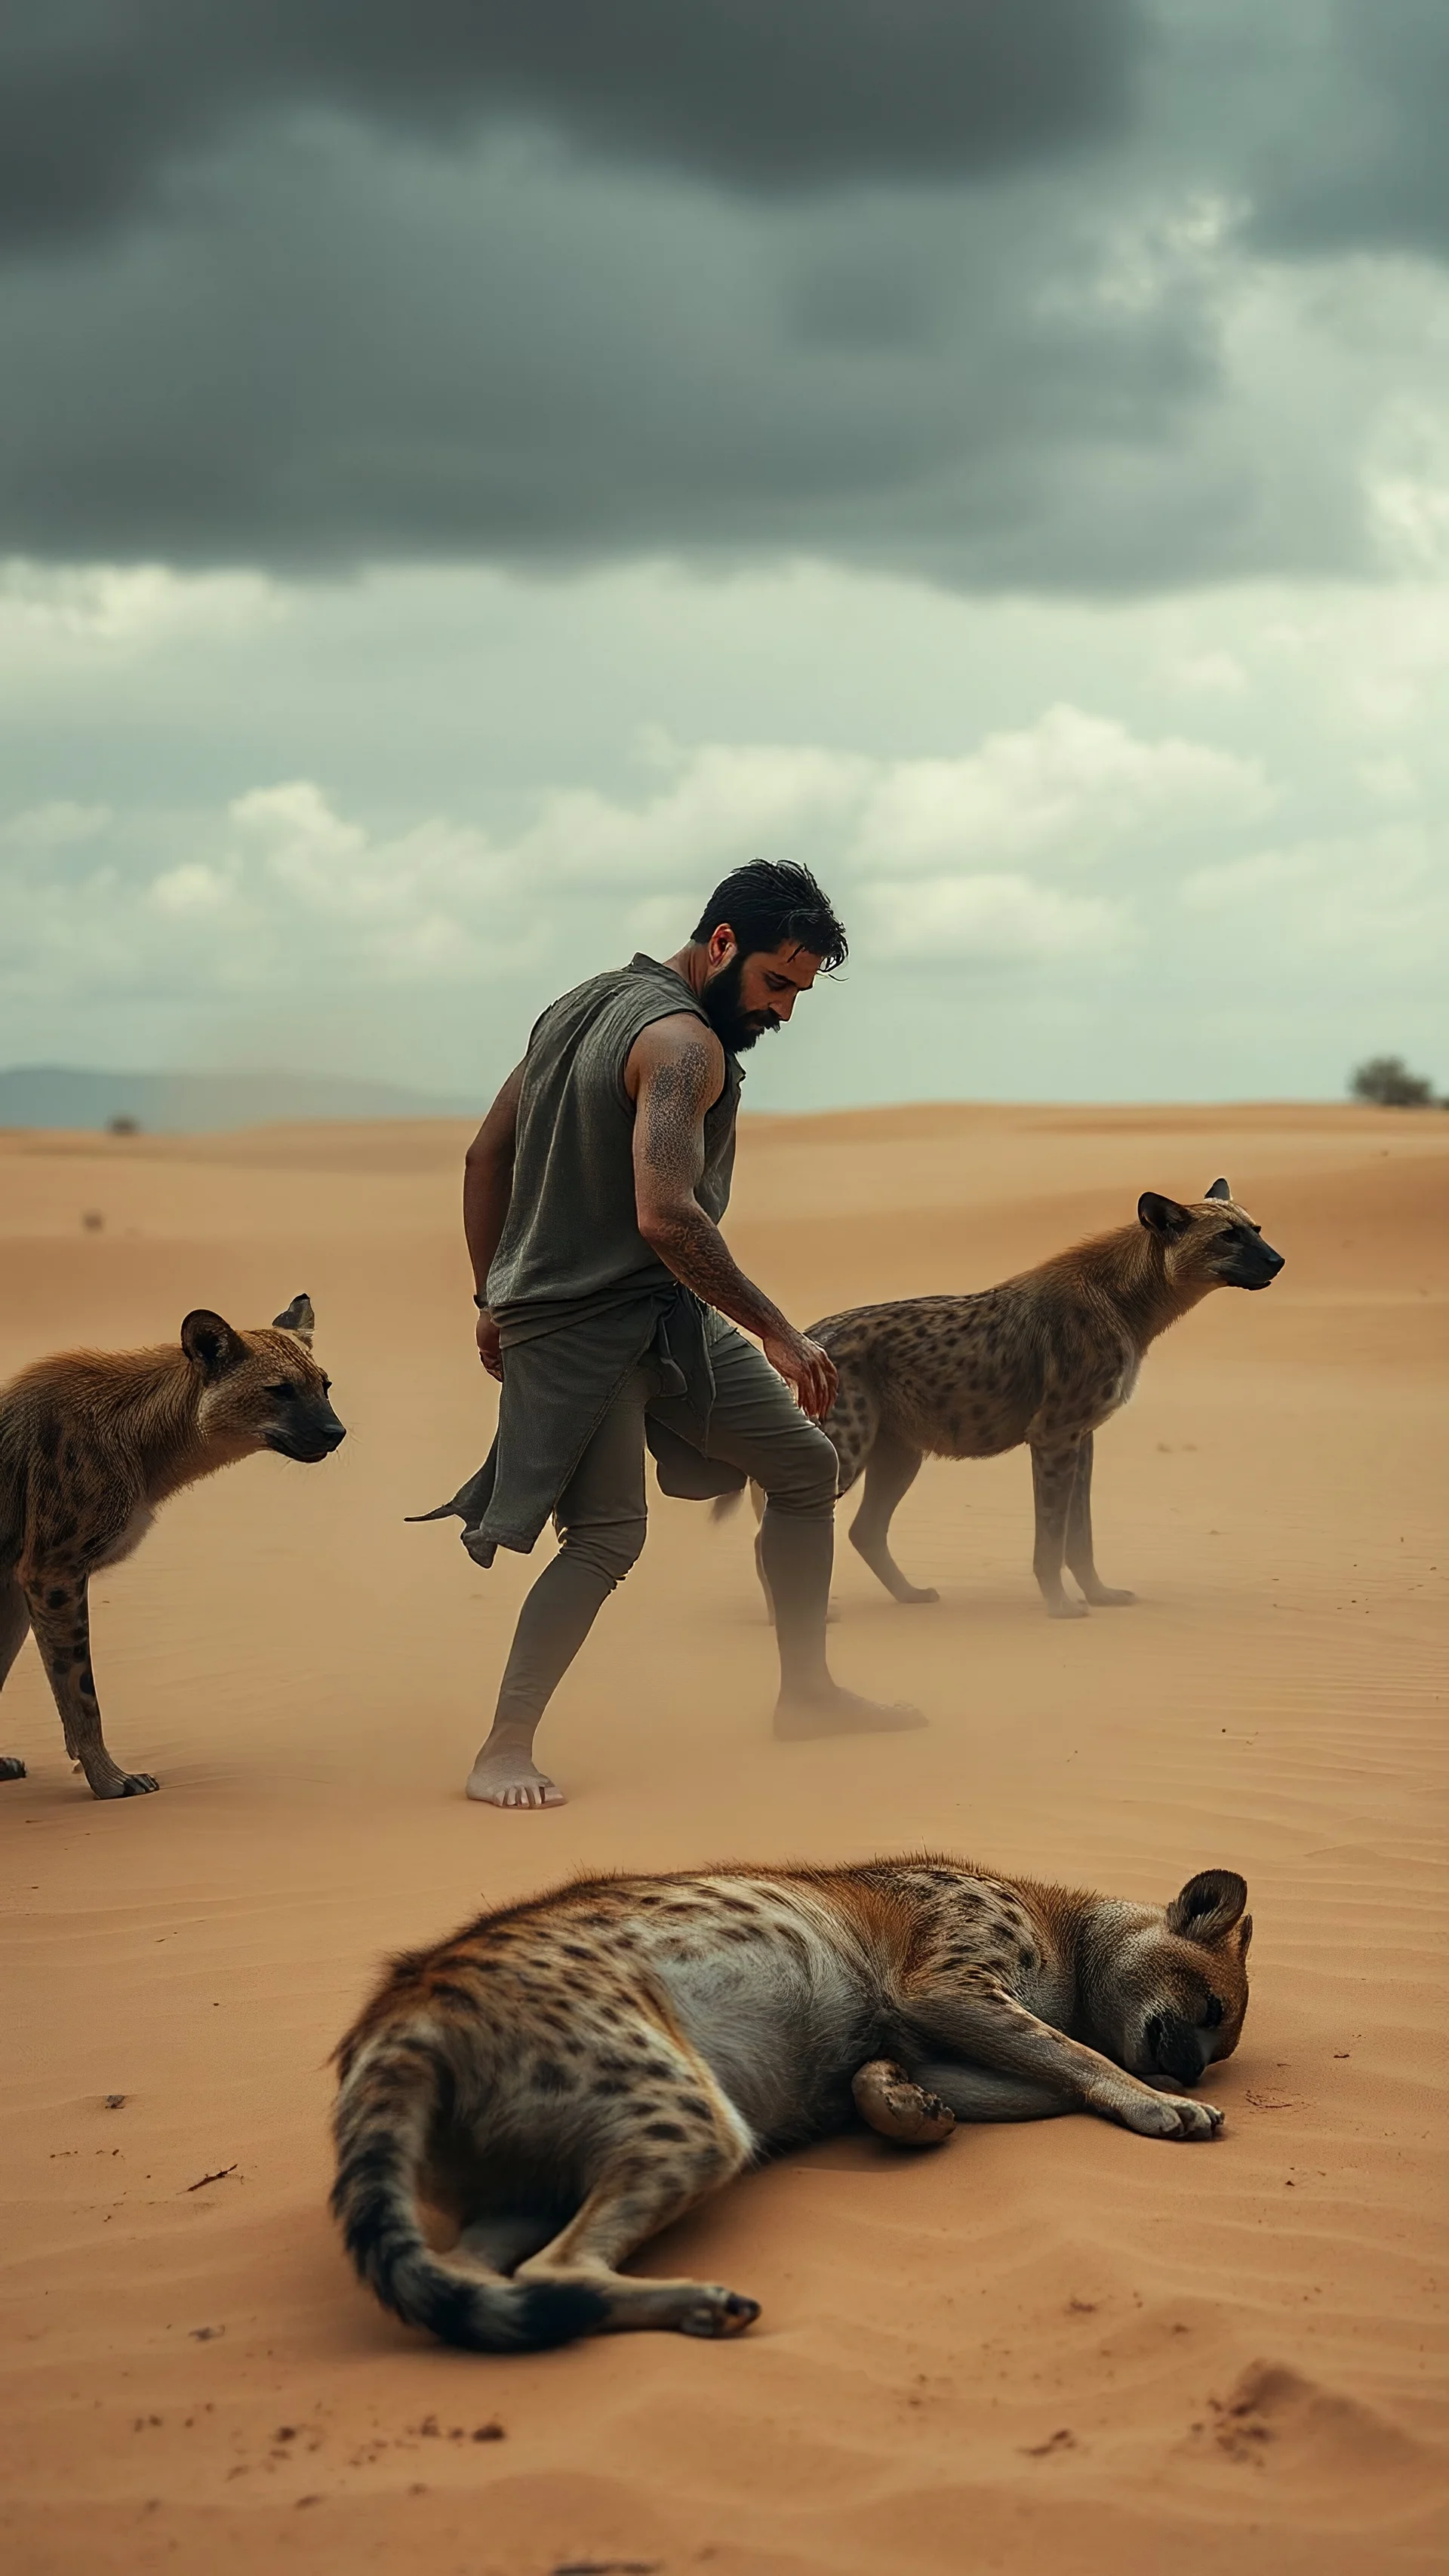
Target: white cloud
{"type": "Point", "coordinates": [1072, 786]}
{"type": "Point", "coordinates": [56, 826]}
{"type": "Point", "coordinates": [289, 895]}
{"type": "Point", "coordinates": [128, 608]}
{"type": "Point", "coordinates": [723, 802]}
{"type": "Point", "coordinates": [191, 888]}
{"type": "Point", "coordinates": [929, 857]}
{"type": "Point", "coordinates": [938, 862]}
{"type": "Point", "coordinates": [307, 849]}
{"type": "Point", "coordinates": [1211, 675]}
{"type": "Point", "coordinates": [1406, 487]}
{"type": "Point", "coordinates": [990, 921]}
{"type": "Point", "coordinates": [399, 818]}
{"type": "Point", "coordinates": [1384, 891]}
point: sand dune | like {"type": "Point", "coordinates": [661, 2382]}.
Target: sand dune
{"type": "Point", "coordinates": [1057, 2348]}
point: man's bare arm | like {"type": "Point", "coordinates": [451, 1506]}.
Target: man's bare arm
{"type": "Point", "coordinates": [487, 1192]}
{"type": "Point", "coordinates": [675, 1072]}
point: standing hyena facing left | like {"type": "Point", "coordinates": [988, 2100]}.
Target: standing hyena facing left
{"type": "Point", "coordinates": [564, 2078]}
{"type": "Point", "coordinates": [1045, 1360]}
{"type": "Point", "coordinates": [92, 1441]}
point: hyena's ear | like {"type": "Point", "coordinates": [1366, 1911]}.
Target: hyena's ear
{"type": "Point", "coordinates": [1162, 1216]}
{"type": "Point", "coordinates": [209, 1342]}
{"type": "Point", "coordinates": [1219, 1190]}
{"type": "Point", "coordinates": [299, 1318]}
{"type": "Point", "coordinates": [1208, 1906]}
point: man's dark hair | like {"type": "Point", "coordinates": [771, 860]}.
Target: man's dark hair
{"type": "Point", "coordinates": [769, 902]}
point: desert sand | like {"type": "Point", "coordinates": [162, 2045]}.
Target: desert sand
{"type": "Point", "coordinates": [1052, 2348]}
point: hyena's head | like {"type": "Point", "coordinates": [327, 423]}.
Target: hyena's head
{"type": "Point", "coordinates": [261, 1389]}
{"type": "Point", "coordinates": [1209, 1242]}
{"type": "Point", "coordinates": [1170, 1986]}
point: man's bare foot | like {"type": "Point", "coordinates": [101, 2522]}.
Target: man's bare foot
{"type": "Point", "coordinates": [833, 1711]}
{"type": "Point", "coordinates": [506, 1775]}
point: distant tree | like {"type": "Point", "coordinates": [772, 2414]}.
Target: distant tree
{"type": "Point", "coordinates": [123, 1126]}
{"type": "Point", "coordinates": [1387, 1081]}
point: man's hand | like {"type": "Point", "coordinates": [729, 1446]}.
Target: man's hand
{"type": "Point", "coordinates": [489, 1350]}
{"type": "Point", "coordinates": [804, 1365]}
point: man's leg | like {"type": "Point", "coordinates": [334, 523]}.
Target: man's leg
{"type": "Point", "coordinates": [757, 1425]}
{"type": "Point", "coordinates": [600, 1521]}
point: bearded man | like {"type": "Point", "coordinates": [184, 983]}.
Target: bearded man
{"type": "Point", "coordinates": [608, 1303]}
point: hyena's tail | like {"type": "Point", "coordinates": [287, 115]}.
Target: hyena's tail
{"type": "Point", "coordinates": [392, 2093]}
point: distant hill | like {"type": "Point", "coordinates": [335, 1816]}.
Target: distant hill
{"type": "Point", "coordinates": [61, 1095]}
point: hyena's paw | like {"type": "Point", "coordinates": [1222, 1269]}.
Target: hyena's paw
{"type": "Point", "coordinates": [1171, 2115]}
{"type": "Point", "coordinates": [715, 2311]}
{"type": "Point", "coordinates": [128, 1784]}
{"type": "Point", "coordinates": [897, 2109]}
{"type": "Point", "coordinates": [1194, 2119]}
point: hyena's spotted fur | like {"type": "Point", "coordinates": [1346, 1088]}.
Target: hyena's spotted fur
{"type": "Point", "coordinates": [1044, 1359]}
{"type": "Point", "coordinates": [92, 1441]}
{"type": "Point", "coordinates": [565, 2077]}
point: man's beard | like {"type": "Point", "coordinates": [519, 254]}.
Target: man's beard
{"type": "Point", "coordinates": [736, 1028]}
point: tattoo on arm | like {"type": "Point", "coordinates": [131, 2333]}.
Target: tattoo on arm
{"type": "Point", "coordinates": [674, 1109]}
{"type": "Point", "coordinates": [669, 1159]}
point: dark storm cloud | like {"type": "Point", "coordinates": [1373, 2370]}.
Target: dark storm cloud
{"type": "Point", "coordinates": [1324, 117]}
{"type": "Point", "coordinates": [349, 354]}
{"type": "Point", "coordinates": [908, 282]}
{"type": "Point", "coordinates": [1352, 154]}
{"type": "Point", "coordinates": [103, 97]}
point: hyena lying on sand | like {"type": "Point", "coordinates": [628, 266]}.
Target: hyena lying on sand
{"type": "Point", "coordinates": [1046, 1358]}
{"type": "Point", "coordinates": [566, 2077]}
{"type": "Point", "coordinates": [92, 1441]}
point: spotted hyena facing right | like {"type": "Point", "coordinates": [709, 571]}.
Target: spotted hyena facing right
{"type": "Point", "coordinates": [1045, 1360]}
{"type": "Point", "coordinates": [92, 1442]}
{"type": "Point", "coordinates": [565, 2077]}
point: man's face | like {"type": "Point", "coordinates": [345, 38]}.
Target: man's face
{"type": "Point", "coordinates": [747, 996]}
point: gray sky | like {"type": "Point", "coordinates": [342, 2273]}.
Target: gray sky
{"type": "Point", "coordinates": [470, 475]}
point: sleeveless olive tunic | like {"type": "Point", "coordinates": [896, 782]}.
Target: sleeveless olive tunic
{"type": "Point", "coordinates": [571, 1244]}
{"type": "Point", "coordinates": [578, 1294]}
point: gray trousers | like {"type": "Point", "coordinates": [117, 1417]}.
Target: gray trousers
{"type": "Point", "coordinates": [601, 1519]}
